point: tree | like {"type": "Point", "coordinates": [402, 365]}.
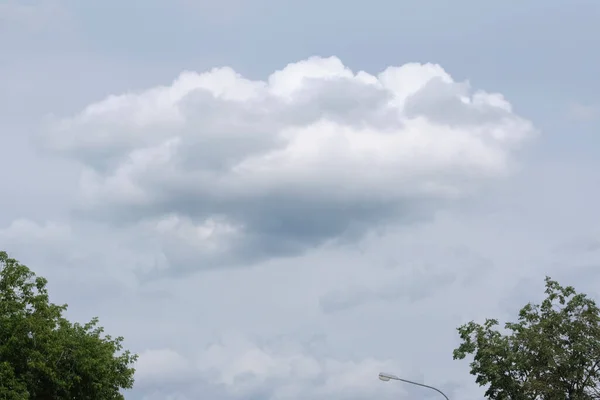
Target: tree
{"type": "Point", "coordinates": [43, 355]}
{"type": "Point", "coordinates": [551, 353]}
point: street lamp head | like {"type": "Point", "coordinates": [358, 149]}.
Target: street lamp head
{"type": "Point", "coordinates": [385, 377]}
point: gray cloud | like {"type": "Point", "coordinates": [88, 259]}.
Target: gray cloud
{"type": "Point", "coordinates": [414, 281]}
{"type": "Point", "coordinates": [351, 228]}
{"type": "Point", "coordinates": [271, 307]}
{"type": "Point", "coordinates": [413, 290]}
{"type": "Point", "coordinates": [268, 168]}
{"type": "Point", "coordinates": [454, 105]}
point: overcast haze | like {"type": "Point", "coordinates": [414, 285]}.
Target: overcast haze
{"type": "Point", "coordinates": [277, 200]}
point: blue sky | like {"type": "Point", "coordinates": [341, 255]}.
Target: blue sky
{"type": "Point", "coordinates": [244, 244]}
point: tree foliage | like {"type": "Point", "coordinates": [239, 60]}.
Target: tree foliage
{"type": "Point", "coordinates": [45, 356]}
{"type": "Point", "coordinates": [551, 353]}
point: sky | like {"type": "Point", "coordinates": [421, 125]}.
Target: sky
{"type": "Point", "coordinates": [276, 200]}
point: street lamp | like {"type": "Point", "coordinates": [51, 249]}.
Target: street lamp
{"type": "Point", "coordinates": [388, 377]}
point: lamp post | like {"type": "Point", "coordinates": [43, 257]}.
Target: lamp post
{"type": "Point", "coordinates": [388, 377]}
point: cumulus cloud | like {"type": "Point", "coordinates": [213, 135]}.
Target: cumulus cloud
{"type": "Point", "coordinates": [236, 367]}
{"type": "Point", "coordinates": [216, 166]}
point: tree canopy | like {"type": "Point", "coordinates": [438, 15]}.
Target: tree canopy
{"type": "Point", "coordinates": [552, 352]}
{"type": "Point", "coordinates": [45, 356]}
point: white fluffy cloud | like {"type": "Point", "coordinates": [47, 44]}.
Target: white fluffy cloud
{"type": "Point", "coordinates": [216, 166]}
{"type": "Point", "coordinates": [238, 368]}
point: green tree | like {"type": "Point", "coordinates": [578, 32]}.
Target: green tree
{"type": "Point", "coordinates": [551, 353]}
{"type": "Point", "coordinates": [43, 356]}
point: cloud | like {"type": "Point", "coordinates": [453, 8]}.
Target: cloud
{"type": "Point", "coordinates": [276, 308]}
{"type": "Point", "coordinates": [23, 229]}
{"type": "Point", "coordinates": [423, 266]}
{"type": "Point", "coordinates": [218, 166]}
{"type": "Point", "coordinates": [23, 234]}
{"type": "Point", "coordinates": [236, 367]}
{"type": "Point", "coordinates": [412, 286]}
{"type": "Point", "coordinates": [77, 254]}
{"type": "Point", "coordinates": [162, 365]}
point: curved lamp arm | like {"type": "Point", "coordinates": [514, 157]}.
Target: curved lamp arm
{"type": "Point", "coordinates": [387, 377]}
